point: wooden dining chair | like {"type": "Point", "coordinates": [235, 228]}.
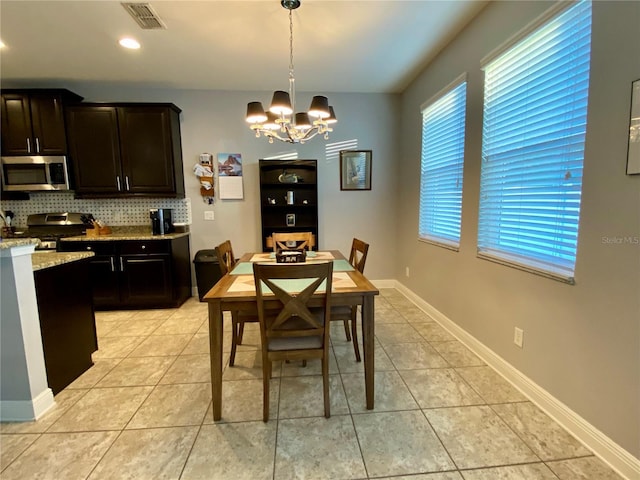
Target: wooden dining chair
{"type": "Point", "coordinates": [357, 258]}
{"type": "Point", "coordinates": [293, 241]}
{"type": "Point", "coordinates": [293, 330]}
{"type": "Point", "coordinates": [227, 261]}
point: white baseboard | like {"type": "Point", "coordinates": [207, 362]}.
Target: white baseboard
{"type": "Point", "coordinates": [26, 410]}
{"type": "Point", "coordinates": [610, 452]}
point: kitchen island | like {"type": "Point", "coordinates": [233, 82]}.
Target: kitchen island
{"type": "Point", "coordinates": [66, 314]}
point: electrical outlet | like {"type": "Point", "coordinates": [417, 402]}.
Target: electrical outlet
{"type": "Point", "coordinates": [208, 215]}
{"type": "Point", "coordinates": [406, 272]}
{"type": "Point", "coordinates": [518, 336]}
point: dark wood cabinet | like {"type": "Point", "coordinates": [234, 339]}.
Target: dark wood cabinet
{"type": "Point", "coordinates": [126, 150]}
{"type": "Point", "coordinates": [288, 198]}
{"type": "Point", "coordinates": [33, 121]}
{"type": "Point", "coordinates": [67, 322]}
{"type": "Point", "coordinates": [137, 273]}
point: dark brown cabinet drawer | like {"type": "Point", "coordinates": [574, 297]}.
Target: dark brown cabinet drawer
{"type": "Point", "coordinates": [145, 247]}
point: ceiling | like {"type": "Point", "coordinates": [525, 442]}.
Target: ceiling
{"type": "Point", "coordinates": [339, 45]}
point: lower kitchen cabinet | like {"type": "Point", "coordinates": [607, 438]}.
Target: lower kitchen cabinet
{"type": "Point", "coordinates": [137, 274]}
{"type": "Point", "coordinates": [67, 322]}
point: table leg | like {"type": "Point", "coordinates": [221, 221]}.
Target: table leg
{"type": "Point", "coordinates": [368, 343]}
{"type": "Point", "coordinates": [215, 349]}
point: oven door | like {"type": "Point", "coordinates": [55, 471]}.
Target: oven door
{"type": "Point", "coordinates": [27, 174]}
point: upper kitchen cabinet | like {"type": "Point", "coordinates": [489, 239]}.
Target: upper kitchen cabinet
{"type": "Point", "coordinates": [33, 121]}
{"type": "Point", "coordinates": [126, 150]}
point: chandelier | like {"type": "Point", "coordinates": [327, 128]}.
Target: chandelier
{"type": "Point", "coordinates": [279, 121]}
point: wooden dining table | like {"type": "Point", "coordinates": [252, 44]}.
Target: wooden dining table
{"type": "Point", "coordinates": [236, 291]}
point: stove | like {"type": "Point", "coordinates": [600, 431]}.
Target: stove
{"type": "Point", "coordinates": [49, 227]}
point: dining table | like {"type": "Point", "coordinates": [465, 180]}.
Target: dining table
{"type": "Point", "coordinates": [235, 291]}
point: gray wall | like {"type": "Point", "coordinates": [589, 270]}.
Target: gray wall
{"type": "Point", "coordinates": [581, 342]}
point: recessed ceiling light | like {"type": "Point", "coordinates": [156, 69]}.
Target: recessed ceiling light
{"type": "Point", "coordinates": [1, 44]}
{"type": "Point", "coordinates": [129, 42]}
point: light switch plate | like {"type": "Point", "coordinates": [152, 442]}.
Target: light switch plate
{"type": "Point", "coordinates": [208, 215]}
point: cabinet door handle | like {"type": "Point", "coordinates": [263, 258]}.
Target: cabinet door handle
{"type": "Point", "coordinates": [37, 145]}
{"type": "Point", "coordinates": [121, 265]}
{"type": "Point", "coordinates": [118, 182]}
{"type": "Point", "coordinates": [28, 145]}
{"type": "Point", "coordinates": [126, 181]}
{"type": "Point", "coordinates": [113, 266]}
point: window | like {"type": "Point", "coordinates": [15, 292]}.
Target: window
{"type": "Point", "coordinates": [443, 123]}
{"type": "Point", "coordinates": [535, 115]}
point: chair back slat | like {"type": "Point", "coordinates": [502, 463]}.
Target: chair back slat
{"type": "Point", "coordinates": [284, 241]}
{"type": "Point", "coordinates": [293, 316]}
{"type": "Point", "coordinates": [358, 255]}
{"type": "Point", "coordinates": [227, 261]}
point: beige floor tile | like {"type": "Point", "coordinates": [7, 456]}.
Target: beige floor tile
{"type": "Point", "coordinates": [399, 443]}
{"type": "Point", "coordinates": [178, 325]}
{"type": "Point", "coordinates": [198, 344]}
{"type": "Point", "coordinates": [545, 437]}
{"type": "Point", "coordinates": [173, 406]}
{"type": "Point", "coordinates": [188, 369]}
{"type": "Point", "coordinates": [103, 327]}
{"type": "Point", "coordinates": [389, 316]}
{"type": "Point", "coordinates": [407, 356]}
{"type": "Point", "coordinates": [63, 401]}
{"type": "Point", "coordinates": [490, 385]}
{"type": "Point", "coordinates": [242, 401]}
{"type": "Point", "coordinates": [147, 454]}
{"type": "Point", "coordinates": [115, 315]}
{"type": "Point", "coordinates": [233, 451]}
{"type": "Point", "coordinates": [157, 314]}
{"type": "Point", "coordinates": [132, 328]}
{"type": "Point", "coordinates": [248, 365]}
{"type": "Point", "coordinates": [476, 437]}
{"type": "Point", "coordinates": [314, 367]}
{"type": "Point", "coordinates": [587, 468]}
{"type": "Point", "coordinates": [116, 347]}
{"type": "Point", "coordinates": [11, 446]}
{"type": "Point", "coordinates": [391, 393]}
{"type": "Point", "coordinates": [302, 397]}
{"type": "Point", "coordinates": [457, 354]}
{"type": "Point", "coordinates": [416, 316]}
{"type": "Point", "coordinates": [61, 456]}
{"type": "Point", "coordinates": [102, 409]}
{"type": "Point", "coordinates": [432, 332]}
{"type": "Point", "coordinates": [199, 312]}
{"type": "Point", "coordinates": [161, 345]}
{"type": "Point", "coordinates": [532, 471]}
{"type": "Point", "coordinates": [427, 476]}
{"type": "Point", "coordinates": [392, 333]}
{"type": "Point", "coordinates": [94, 374]}
{"type": "Point", "coordinates": [318, 448]}
{"type": "Point", "coordinates": [137, 371]}
{"type": "Point", "coordinates": [442, 387]}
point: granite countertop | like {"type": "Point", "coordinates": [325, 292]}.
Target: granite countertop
{"type": "Point", "coordinates": [50, 258]}
{"type": "Point", "coordinates": [6, 243]}
{"type": "Point", "coordinates": [125, 233]}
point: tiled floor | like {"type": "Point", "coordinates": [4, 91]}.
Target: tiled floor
{"type": "Point", "coordinates": [143, 411]}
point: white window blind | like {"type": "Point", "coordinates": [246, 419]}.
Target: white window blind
{"type": "Point", "coordinates": [535, 115]}
{"type": "Point", "coordinates": [442, 160]}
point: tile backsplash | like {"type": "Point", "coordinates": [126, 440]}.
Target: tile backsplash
{"type": "Point", "coordinates": [112, 211]}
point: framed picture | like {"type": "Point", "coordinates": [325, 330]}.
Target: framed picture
{"type": "Point", "coordinates": [355, 169]}
{"type": "Point", "coordinates": [633, 155]}
{"type": "Point", "coordinates": [291, 219]}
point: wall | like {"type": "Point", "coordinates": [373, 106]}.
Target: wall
{"type": "Point", "coordinates": [213, 122]}
{"type": "Point", "coordinates": [581, 342]}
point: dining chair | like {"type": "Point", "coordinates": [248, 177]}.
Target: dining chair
{"type": "Point", "coordinates": [285, 241]}
{"type": "Point", "coordinates": [227, 261]}
{"type": "Point", "coordinates": [294, 330]}
{"type": "Point", "coordinates": [357, 259]}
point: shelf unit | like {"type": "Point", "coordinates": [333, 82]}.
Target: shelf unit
{"type": "Point", "coordinates": [277, 186]}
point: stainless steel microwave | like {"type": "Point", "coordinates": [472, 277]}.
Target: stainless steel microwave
{"type": "Point", "coordinates": [35, 173]}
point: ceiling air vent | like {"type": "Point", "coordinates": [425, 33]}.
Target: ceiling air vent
{"type": "Point", "coordinates": [145, 16]}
